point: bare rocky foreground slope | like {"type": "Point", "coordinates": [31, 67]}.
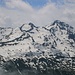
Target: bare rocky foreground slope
{"type": "Point", "coordinates": [29, 49]}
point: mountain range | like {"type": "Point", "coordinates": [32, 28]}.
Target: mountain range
{"type": "Point", "coordinates": [32, 44]}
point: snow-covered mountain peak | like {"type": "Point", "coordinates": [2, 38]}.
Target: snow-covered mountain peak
{"type": "Point", "coordinates": [61, 29]}
{"type": "Point", "coordinates": [28, 27]}
{"type": "Point", "coordinates": [53, 39]}
{"type": "Point", "coordinates": [62, 25]}
{"type": "Point", "coordinates": [37, 46]}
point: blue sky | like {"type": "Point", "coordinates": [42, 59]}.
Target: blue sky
{"type": "Point", "coordinates": [36, 3]}
{"type": "Point", "coordinates": [41, 3]}
{"type": "Point", "coordinates": [16, 12]}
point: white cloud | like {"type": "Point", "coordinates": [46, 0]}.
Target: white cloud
{"type": "Point", "coordinates": [17, 12]}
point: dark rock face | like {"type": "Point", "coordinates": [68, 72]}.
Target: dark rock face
{"type": "Point", "coordinates": [71, 36]}
{"type": "Point", "coordinates": [44, 66]}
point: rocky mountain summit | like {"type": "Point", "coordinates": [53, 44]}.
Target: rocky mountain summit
{"type": "Point", "coordinates": [40, 48]}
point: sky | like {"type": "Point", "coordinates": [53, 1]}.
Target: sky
{"type": "Point", "coordinates": [14, 13]}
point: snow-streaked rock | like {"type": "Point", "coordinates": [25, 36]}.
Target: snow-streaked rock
{"type": "Point", "coordinates": [53, 38]}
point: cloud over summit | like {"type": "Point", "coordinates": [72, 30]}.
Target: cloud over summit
{"type": "Point", "coordinates": [16, 12]}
